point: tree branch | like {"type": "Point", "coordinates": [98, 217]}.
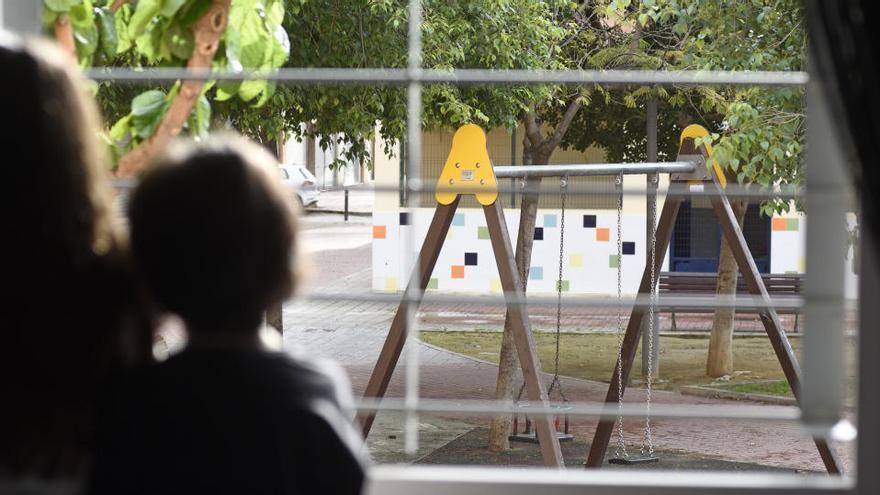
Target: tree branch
{"type": "Point", "coordinates": [553, 141]}
{"type": "Point", "coordinates": [207, 33]}
{"type": "Point", "coordinates": [117, 4]}
{"type": "Point", "coordinates": [64, 34]}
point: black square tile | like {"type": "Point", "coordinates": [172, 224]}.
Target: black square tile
{"type": "Point", "coordinates": [629, 248]}
{"type": "Point", "coordinates": [470, 259]}
{"type": "Point", "coordinates": [589, 221]}
{"type": "Point", "coordinates": [404, 218]}
{"type": "Point", "coordinates": [539, 233]}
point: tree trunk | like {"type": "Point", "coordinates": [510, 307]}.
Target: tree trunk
{"type": "Point", "coordinates": [508, 364]}
{"type": "Point", "coordinates": [207, 33]}
{"type": "Point", "coordinates": [720, 360]}
{"type": "Point", "coordinates": [537, 149]}
{"type": "Point", "coordinates": [310, 148]}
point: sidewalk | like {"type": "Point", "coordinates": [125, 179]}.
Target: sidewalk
{"type": "Point", "coordinates": [360, 201]}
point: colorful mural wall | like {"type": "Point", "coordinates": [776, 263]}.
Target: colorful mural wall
{"type": "Point", "coordinates": [589, 265]}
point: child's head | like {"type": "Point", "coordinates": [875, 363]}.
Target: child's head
{"type": "Point", "coordinates": [213, 235]}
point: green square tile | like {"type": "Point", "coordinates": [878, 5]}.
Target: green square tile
{"type": "Point", "coordinates": [613, 261]}
{"type": "Point", "coordinates": [482, 232]}
{"type": "Point", "coordinates": [565, 285]}
{"type": "Point", "coordinates": [433, 283]}
{"type": "Point", "coordinates": [792, 224]}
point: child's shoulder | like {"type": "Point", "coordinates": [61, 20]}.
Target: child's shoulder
{"type": "Point", "coordinates": [321, 376]}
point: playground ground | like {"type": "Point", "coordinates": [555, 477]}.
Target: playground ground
{"type": "Point", "coordinates": [352, 332]}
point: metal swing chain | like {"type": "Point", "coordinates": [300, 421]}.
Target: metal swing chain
{"type": "Point", "coordinates": [555, 382]}
{"type": "Point", "coordinates": [648, 440]}
{"type": "Point", "coordinates": [620, 451]}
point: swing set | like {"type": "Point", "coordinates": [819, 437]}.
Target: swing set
{"type": "Point", "coordinates": [468, 170]}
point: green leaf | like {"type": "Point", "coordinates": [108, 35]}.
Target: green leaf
{"type": "Point", "coordinates": [143, 15]}
{"type": "Point", "coordinates": [251, 89]}
{"type": "Point", "coordinates": [107, 29]}
{"type": "Point", "coordinates": [121, 20]}
{"type": "Point", "coordinates": [179, 41]}
{"type": "Point", "coordinates": [776, 153]}
{"type": "Point", "coordinates": [199, 120]}
{"type": "Point", "coordinates": [194, 11]}
{"type": "Point", "coordinates": [232, 41]}
{"type": "Point", "coordinates": [60, 6]}
{"type": "Point", "coordinates": [170, 7]}
{"type": "Point", "coordinates": [147, 110]}
{"type": "Point", "coordinates": [121, 128]}
{"type": "Point", "coordinates": [223, 93]}
{"type": "Point", "coordinates": [85, 33]}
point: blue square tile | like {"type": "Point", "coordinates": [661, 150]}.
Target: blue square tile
{"type": "Point", "coordinates": [470, 259]}
{"type": "Point", "coordinates": [458, 220]}
{"type": "Point", "coordinates": [536, 273]}
{"type": "Point", "coordinates": [589, 221]}
{"type": "Point", "coordinates": [549, 220]}
{"type": "Point", "coordinates": [404, 218]}
{"type": "Point", "coordinates": [539, 233]}
{"type": "Point", "coordinates": [629, 248]}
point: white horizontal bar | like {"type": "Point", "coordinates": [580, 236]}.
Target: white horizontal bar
{"type": "Point", "coordinates": [593, 169]}
{"type": "Point", "coordinates": [687, 301]}
{"type": "Point", "coordinates": [584, 189]}
{"type": "Point", "coordinates": [466, 480]}
{"type": "Point", "coordinates": [398, 77]}
{"type": "Point", "coordinates": [724, 411]}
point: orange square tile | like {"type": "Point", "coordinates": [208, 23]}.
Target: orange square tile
{"type": "Point", "coordinates": [778, 224]}
{"type": "Point", "coordinates": [379, 231]}
{"type": "Point", "coordinates": [457, 271]}
{"type": "Point", "coordinates": [603, 234]}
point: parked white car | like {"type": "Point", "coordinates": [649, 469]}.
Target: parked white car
{"type": "Point", "coordinates": [301, 183]}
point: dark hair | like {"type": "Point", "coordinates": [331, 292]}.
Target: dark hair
{"type": "Point", "coordinates": [212, 236]}
{"type": "Point", "coordinates": [66, 271]}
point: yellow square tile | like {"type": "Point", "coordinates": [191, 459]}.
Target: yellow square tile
{"type": "Point", "coordinates": [495, 285]}
{"type": "Point", "coordinates": [390, 283]}
{"type": "Point", "coordinates": [576, 261]}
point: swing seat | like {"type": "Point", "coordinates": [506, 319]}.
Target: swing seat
{"type": "Point", "coordinates": [633, 460]}
{"type": "Point", "coordinates": [530, 437]}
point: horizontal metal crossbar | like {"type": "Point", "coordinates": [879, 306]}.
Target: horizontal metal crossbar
{"type": "Point", "coordinates": [593, 169]}
{"type": "Point", "coordinates": [399, 77]}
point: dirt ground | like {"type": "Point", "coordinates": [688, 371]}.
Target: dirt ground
{"type": "Point", "coordinates": [470, 449]}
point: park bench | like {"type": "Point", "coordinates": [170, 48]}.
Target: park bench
{"type": "Point", "coordinates": [703, 284]}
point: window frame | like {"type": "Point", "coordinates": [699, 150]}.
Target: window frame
{"type": "Point", "coordinates": [461, 480]}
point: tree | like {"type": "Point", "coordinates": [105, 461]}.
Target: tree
{"type": "Point", "coordinates": [759, 137]}
{"type": "Point", "coordinates": [198, 34]}
{"type": "Point", "coordinates": [598, 36]}
{"type": "Point", "coordinates": [757, 131]}
{"type": "Point", "coordinates": [512, 34]}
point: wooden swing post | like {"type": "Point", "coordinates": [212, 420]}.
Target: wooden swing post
{"type": "Point", "coordinates": [713, 179]}
{"type": "Point", "coordinates": [468, 170]}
